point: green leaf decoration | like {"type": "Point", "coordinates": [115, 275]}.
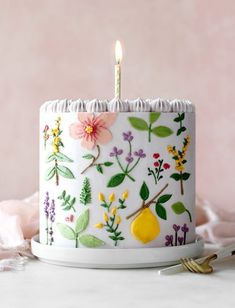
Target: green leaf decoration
{"type": "Point", "coordinates": [65, 172]}
{"type": "Point", "coordinates": [162, 131]}
{"type": "Point", "coordinates": [161, 211]}
{"type": "Point", "coordinates": [50, 158]}
{"type": "Point", "coordinates": [153, 117]}
{"type": "Point", "coordinates": [181, 130]}
{"type": "Point", "coordinates": [66, 231]}
{"type": "Point", "coordinates": [144, 192]}
{"type": "Point", "coordinates": [108, 163]}
{"type": "Point", "coordinates": [63, 158]}
{"type": "Point", "coordinates": [138, 123]}
{"type": "Point", "coordinates": [85, 195]}
{"type": "Point", "coordinates": [180, 117]}
{"type": "Point", "coordinates": [185, 176]}
{"type": "Point", "coordinates": [116, 180]}
{"type": "Point", "coordinates": [88, 156]}
{"type": "Point", "coordinates": [176, 176]}
{"type": "Point", "coordinates": [178, 208]}
{"type": "Point", "coordinates": [90, 241]}
{"type": "Point", "coordinates": [82, 222]}
{"type": "Point", "coordinates": [164, 198]}
{"type": "Point", "coordinates": [50, 173]}
{"type": "Point", "coordinates": [68, 202]}
{"type": "Point", "coordinates": [99, 169]}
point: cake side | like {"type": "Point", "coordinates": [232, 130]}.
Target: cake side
{"type": "Point", "coordinates": [124, 180]}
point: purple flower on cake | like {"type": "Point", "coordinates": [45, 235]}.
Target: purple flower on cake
{"type": "Point", "coordinates": [128, 136]}
{"type": "Point", "coordinates": [46, 205]}
{"type": "Point", "coordinates": [52, 211]}
{"type": "Point", "coordinates": [116, 152]}
{"type": "Point", "coordinates": [132, 159]}
{"type": "Point", "coordinates": [93, 130]}
{"type": "Point", "coordinates": [129, 158]}
{"type": "Point", "coordinates": [176, 227]}
{"type": "Point", "coordinates": [169, 240]}
{"type": "Point", "coordinates": [176, 239]}
{"type": "Point", "coordinates": [180, 240]}
{"type": "Point", "coordinates": [140, 153]}
{"type": "Point", "coordinates": [185, 228]}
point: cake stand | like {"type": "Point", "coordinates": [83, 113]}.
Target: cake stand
{"type": "Point", "coordinates": [116, 258]}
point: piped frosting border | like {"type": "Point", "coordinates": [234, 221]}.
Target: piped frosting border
{"type": "Point", "coordinates": [117, 105]}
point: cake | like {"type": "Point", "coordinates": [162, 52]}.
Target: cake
{"type": "Point", "coordinates": [117, 174]}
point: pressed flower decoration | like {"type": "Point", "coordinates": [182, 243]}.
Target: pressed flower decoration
{"type": "Point", "coordinates": [145, 227]}
{"type": "Point", "coordinates": [46, 135]}
{"type": "Point", "coordinates": [180, 161]}
{"type": "Point", "coordinates": [68, 201]}
{"type": "Point", "coordinates": [158, 168]}
{"type": "Point", "coordinates": [77, 234]}
{"type": "Point", "coordinates": [49, 210]}
{"type": "Point", "coordinates": [111, 219]}
{"type": "Point", "coordinates": [179, 119]}
{"type": "Point", "coordinates": [175, 239]}
{"type": "Point", "coordinates": [142, 125]}
{"type": "Point", "coordinates": [132, 159]}
{"type": "Point", "coordinates": [57, 156]}
{"type": "Point", "coordinates": [93, 131]}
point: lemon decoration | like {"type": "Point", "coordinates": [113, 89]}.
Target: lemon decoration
{"type": "Point", "coordinates": [145, 227]}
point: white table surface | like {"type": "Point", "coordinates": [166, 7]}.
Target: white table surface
{"type": "Point", "coordinates": [51, 286]}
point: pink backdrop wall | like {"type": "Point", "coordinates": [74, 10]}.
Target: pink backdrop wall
{"type": "Point", "coordinates": [64, 49]}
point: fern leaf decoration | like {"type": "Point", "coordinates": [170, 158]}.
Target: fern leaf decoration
{"type": "Point", "coordinates": [85, 195]}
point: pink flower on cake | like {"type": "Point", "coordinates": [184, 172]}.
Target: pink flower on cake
{"type": "Point", "coordinates": [93, 130]}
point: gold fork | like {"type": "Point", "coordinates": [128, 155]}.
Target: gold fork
{"type": "Point", "coordinates": [195, 267]}
{"type": "Point", "coordinates": [201, 265]}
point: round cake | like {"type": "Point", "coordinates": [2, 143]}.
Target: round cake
{"type": "Point", "coordinates": [117, 174]}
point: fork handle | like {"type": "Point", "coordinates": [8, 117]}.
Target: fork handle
{"type": "Point", "coordinates": [225, 252]}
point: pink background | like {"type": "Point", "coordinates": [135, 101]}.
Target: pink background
{"type": "Point", "coordinates": [65, 49]}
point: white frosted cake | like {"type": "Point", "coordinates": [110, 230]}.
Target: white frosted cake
{"type": "Point", "coordinates": [117, 174]}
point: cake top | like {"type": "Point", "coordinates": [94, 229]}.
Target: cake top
{"type": "Point", "coordinates": [118, 105]}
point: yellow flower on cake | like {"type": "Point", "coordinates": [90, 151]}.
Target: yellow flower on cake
{"type": "Point", "coordinates": [118, 220]}
{"type": "Point", "coordinates": [114, 211]}
{"type": "Point", "coordinates": [101, 197]}
{"type": "Point", "coordinates": [125, 195]}
{"type": "Point", "coordinates": [99, 225]}
{"type": "Point", "coordinates": [105, 217]}
{"type": "Point", "coordinates": [112, 197]}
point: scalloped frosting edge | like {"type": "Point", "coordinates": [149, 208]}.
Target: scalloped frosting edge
{"type": "Point", "coordinates": [117, 105]}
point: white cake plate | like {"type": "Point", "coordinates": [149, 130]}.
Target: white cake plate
{"type": "Point", "coordinates": [115, 258]}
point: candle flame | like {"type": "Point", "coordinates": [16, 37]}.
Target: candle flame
{"type": "Point", "coordinates": [118, 52]}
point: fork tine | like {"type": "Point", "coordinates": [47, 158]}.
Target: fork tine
{"type": "Point", "coordinates": [191, 266]}
{"type": "Point", "coordinates": [186, 265]}
{"type": "Point", "coordinates": [196, 265]}
{"type": "Point", "coordinates": [183, 263]}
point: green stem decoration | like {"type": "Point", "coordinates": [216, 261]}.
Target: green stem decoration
{"type": "Point", "coordinates": [68, 201]}
{"type": "Point", "coordinates": [141, 125]}
{"type": "Point", "coordinates": [77, 235]}
{"type": "Point", "coordinates": [179, 119]}
{"type": "Point", "coordinates": [145, 205]}
{"type": "Point", "coordinates": [57, 169]}
{"type": "Point", "coordinates": [94, 159]}
{"type": "Point", "coordinates": [94, 163]}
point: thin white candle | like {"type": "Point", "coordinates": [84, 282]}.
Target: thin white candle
{"type": "Point", "coordinates": [118, 56]}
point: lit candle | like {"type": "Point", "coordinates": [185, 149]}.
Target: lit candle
{"type": "Point", "coordinates": [118, 56]}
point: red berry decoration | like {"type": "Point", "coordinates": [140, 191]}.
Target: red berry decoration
{"type": "Point", "coordinates": [156, 164]}
{"type": "Point", "coordinates": [166, 166]}
{"type": "Point", "coordinates": [156, 155]}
